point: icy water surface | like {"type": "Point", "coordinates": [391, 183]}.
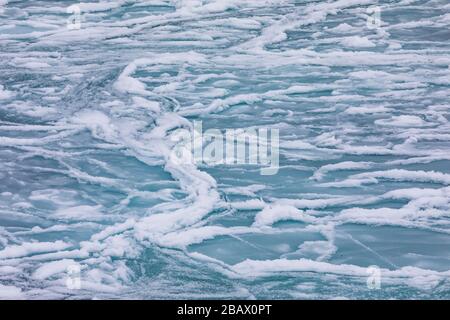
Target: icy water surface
{"type": "Point", "coordinates": [92, 207]}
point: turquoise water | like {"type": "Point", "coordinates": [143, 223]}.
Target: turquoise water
{"type": "Point", "coordinates": [92, 206]}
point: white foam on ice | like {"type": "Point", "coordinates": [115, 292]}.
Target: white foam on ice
{"type": "Point", "coordinates": [357, 42]}
{"type": "Point", "coordinates": [5, 94]}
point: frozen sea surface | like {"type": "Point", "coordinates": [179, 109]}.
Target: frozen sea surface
{"type": "Point", "coordinates": [86, 123]}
